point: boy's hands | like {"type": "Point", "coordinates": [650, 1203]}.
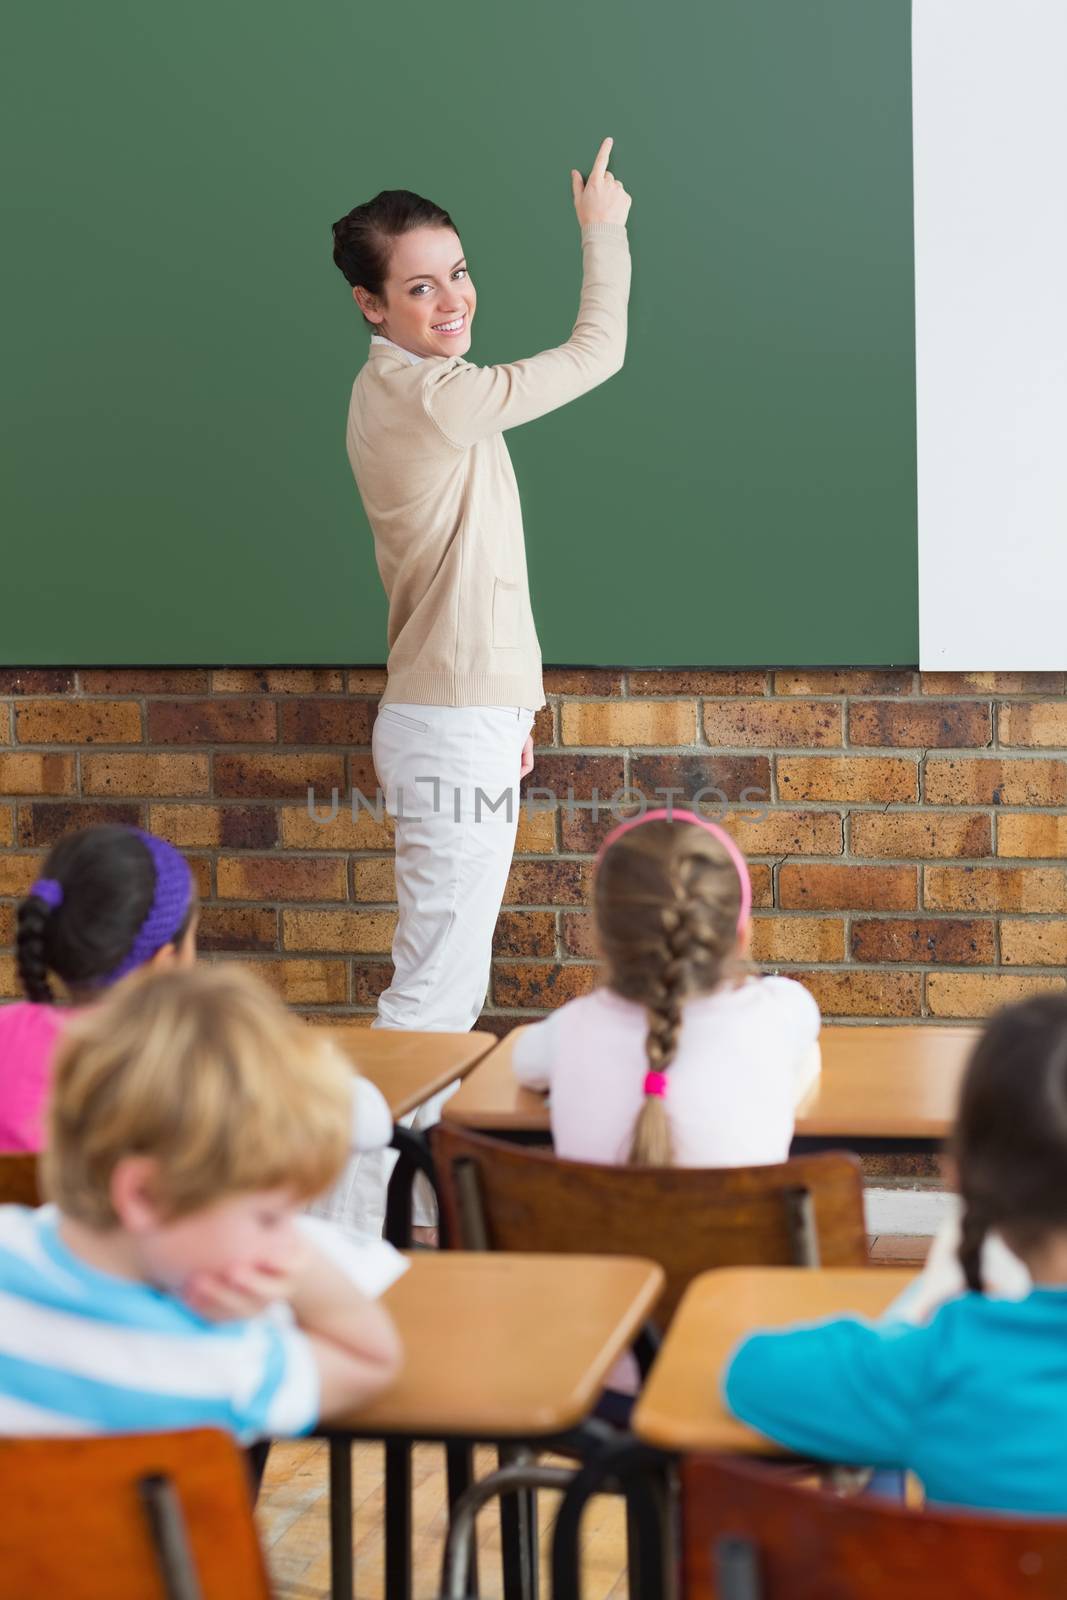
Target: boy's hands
{"type": "Point", "coordinates": [602, 197]}
{"type": "Point", "coordinates": [240, 1292]}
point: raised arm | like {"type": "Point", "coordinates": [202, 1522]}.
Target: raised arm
{"type": "Point", "coordinates": [468, 403]}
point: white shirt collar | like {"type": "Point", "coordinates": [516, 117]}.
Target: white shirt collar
{"type": "Point", "coordinates": [378, 338]}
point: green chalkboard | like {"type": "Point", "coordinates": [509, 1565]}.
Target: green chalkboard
{"type": "Point", "coordinates": [181, 348]}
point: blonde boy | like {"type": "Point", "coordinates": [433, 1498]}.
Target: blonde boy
{"type": "Point", "coordinates": [167, 1284]}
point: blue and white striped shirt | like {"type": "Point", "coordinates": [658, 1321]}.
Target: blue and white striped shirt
{"type": "Point", "coordinates": [84, 1351]}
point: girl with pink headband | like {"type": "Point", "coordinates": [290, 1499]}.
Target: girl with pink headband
{"type": "Point", "coordinates": [683, 1056]}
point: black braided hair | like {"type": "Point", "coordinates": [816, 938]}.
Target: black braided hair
{"type": "Point", "coordinates": [363, 237]}
{"type": "Point", "coordinates": [108, 882]}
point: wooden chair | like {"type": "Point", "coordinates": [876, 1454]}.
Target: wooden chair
{"type": "Point", "coordinates": [746, 1535]}
{"type": "Point", "coordinates": [18, 1180]}
{"type": "Point", "coordinates": [163, 1516]}
{"type": "Point", "coordinates": [501, 1196]}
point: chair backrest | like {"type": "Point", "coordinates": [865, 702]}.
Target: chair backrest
{"type": "Point", "coordinates": [501, 1196]}
{"type": "Point", "coordinates": [18, 1181]}
{"type": "Point", "coordinates": [748, 1536]}
{"type": "Point", "coordinates": [135, 1517]}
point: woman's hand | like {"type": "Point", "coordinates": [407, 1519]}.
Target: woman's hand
{"type": "Point", "coordinates": [602, 198]}
{"type": "Point", "coordinates": [526, 765]}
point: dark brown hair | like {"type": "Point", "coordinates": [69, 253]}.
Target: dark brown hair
{"type": "Point", "coordinates": [363, 237]}
{"type": "Point", "coordinates": [1010, 1141]}
{"type": "Point", "coordinates": [666, 899]}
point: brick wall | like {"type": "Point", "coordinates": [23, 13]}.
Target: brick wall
{"type": "Point", "coordinates": [910, 862]}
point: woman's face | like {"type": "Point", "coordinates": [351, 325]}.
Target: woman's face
{"type": "Point", "coordinates": [429, 300]}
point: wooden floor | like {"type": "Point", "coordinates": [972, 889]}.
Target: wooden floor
{"type": "Point", "coordinates": [293, 1510]}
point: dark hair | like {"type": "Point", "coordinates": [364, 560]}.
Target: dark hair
{"type": "Point", "coordinates": [666, 898]}
{"type": "Point", "coordinates": [362, 239]}
{"type": "Point", "coordinates": [1010, 1141]}
{"type": "Point", "coordinates": [108, 880]}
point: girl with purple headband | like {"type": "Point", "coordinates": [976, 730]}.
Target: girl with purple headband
{"type": "Point", "coordinates": [110, 900]}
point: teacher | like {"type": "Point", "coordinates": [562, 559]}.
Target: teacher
{"type": "Point", "coordinates": [425, 438]}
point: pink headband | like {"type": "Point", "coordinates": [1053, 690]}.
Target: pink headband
{"type": "Point", "coordinates": [661, 814]}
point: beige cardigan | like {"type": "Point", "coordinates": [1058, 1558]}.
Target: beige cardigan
{"type": "Point", "coordinates": [426, 445]}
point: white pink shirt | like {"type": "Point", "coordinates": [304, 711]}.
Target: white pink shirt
{"type": "Point", "coordinates": [746, 1055]}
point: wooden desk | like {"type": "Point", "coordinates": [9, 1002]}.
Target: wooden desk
{"type": "Point", "coordinates": [506, 1346]}
{"type": "Point", "coordinates": [680, 1407]}
{"type": "Point", "coordinates": [880, 1088]}
{"type": "Point", "coordinates": [407, 1066]}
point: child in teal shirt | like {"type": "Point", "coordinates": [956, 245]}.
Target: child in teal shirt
{"type": "Point", "coordinates": [974, 1402]}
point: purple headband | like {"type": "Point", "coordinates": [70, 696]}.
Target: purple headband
{"type": "Point", "coordinates": [170, 902]}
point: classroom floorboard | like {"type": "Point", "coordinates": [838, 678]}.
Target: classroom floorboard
{"type": "Point", "coordinates": [293, 1510]}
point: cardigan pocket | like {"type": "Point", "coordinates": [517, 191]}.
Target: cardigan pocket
{"type": "Point", "coordinates": [505, 615]}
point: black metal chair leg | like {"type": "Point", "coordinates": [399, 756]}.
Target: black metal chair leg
{"type": "Point", "coordinates": [341, 1565]}
{"type": "Point", "coordinates": [398, 1519]}
{"type": "Point", "coordinates": [519, 1547]}
{"type": "Point", "coordinates": [459, 1470]}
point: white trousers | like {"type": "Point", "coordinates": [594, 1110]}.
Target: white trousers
{"type": "Point", "coordinates": [449, 776]}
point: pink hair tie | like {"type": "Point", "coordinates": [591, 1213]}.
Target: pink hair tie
{"type": "Point", "coordinates": [656, 1083]}
{"type": "Point", "coordinates": [661, 814]}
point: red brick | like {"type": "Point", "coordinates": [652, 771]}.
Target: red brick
{"type": "Point", "coordinates": [581, 680]}
{"type": "Point", "coordinates": [282, 877]}
{"type": "Point", "coordinates": [201, 869]}
{"type": "Point", "coordinates": [7, 826]}
{"type": "Point", "coordinates": [278, 680]}
{"type": "Point", "coordinates": [547, 883]}
{"type": "Point", "coordinates": [844, 888]}
{"type": "Point", "coordinates": [6, 710]}
{"type": "Point", "coordinates": [78, 722]}
{"type": "Point", "coordinates": [10, 987]}
{"type": "Point", "coordinates": [628, 722]}
{"type": "Point", "coordinates": [155, 775]}
{"type": "Point", "coordinates": [697, 681]}
{"type": "Point", "coordinates": [17, 872]}
{"type": "Point", "coordinates": [688, 772]}
{"type": "Point", "coordinates": [362, 776]}
{"type": "Point", "coordinates": [369, 980]}
{"type": "Point", "coordinates": [285, 777]}
{"type": "Point", "coordinates": [223, 928]}
{"type": "Point", "coordinates": [762, 885]}
{"type": "Point", "coordinates": [7, 925]}
{"type": "Point", "coordinates": [579, 934]}
{"type": "Point", "coordinates": [531, 985]}
{"type": "Point", "coordinates": [307, 983]}
{"type": "Point", "coordinates": [359, 932]}
{"type": "Point", "coordinates": [1039, 724]}
{"type": "Point", "coordinates": [24, 772]}
{"type": "Point", "coordinates": [847, 780]}
{"type": "Point", "coordinates": [582, 774]}
{"type": "Point", "coordinates": [525, 933]}
{"type": "Point", "coordinates": [920, 833]}
{"type": "Point", "coordinates": [1032, 943]}
{"type": "Point", "coordinates": [1030, 833]}
{"type": "Point", "coordinates": [845, 680]}
{"type": "Point", "coordinates": [995, 889]}
{"type": "Point", "coordinates": [859, 993]}
{"type": "Point", "coordinates": [778, 833]}
{"type": "Point", "coordinates": [36, 680]}
{"type": "Point", "coordinates": [941, 724]}
{"type": "Point", "coordinates": [228, 719]}
{"type": "Point", "coordinates": [536, 833]}
{"type": "Point", "coordinates": [777, 939]}
{"type": "Point", "coordinates": [143, 680]}
{"type": "Point", "coordinates": [544, 727]}
{"type": "Point", "coordinates": [991, 683]}
{"type": "Point", "coordinates": [945, 941]}
{"type": "Point", "coordinates": [338, 721]}
{"type": "Point", "coordinates": [982, 781]}
{"type": "Point", "coordinates": [974, 994]}
{"type": "Point", "coordinates": [807, 723]}
{"type": "Point", "coordinates": [367, 680]}
{"type": "Point", "coordinates": [42, 823]}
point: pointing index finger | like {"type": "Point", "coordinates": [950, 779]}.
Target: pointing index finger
{"type": "Point", "coordinates": [600, 165]}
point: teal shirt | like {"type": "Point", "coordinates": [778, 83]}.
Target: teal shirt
{"type": "Point", "coordinates": [974, 1402]}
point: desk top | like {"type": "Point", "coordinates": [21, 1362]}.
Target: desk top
{"type": "Point", "coordinates": [407, 1066]}
{"type": "Point", "coordinates": [500, 1346]}
{"type": "Point", "coordinates": [876, 1082]}
{"type": "Point", "coordinates": [681, 1407]}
